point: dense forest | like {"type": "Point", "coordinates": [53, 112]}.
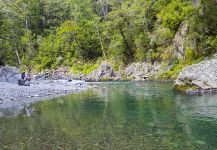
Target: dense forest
{"type": "Point", "coordinates": [47, 34]}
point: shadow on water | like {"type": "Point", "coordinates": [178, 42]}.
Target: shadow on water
{"type": "Point", "coordinates": [125, 115]}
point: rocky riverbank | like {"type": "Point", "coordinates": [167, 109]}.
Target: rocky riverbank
{"type": "Point", "coordinates": [133, 72]}
{"type": "Point", "coordinates": [42, 87]}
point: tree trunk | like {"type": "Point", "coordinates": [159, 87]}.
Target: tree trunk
{"type": "Point", "coordinates": [18, 57]}
{"type": "Point", "coordinates": [100, 39]}
{"type": "Point", "coordinates": [128, 48]}
{"type": "Point", "coordinates": [124, 38]}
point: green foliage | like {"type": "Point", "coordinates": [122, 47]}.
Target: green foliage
{"type": "Point", "coordinates": [177, 65]}
{"type": "Point", "coordinates": [189, 53]}
{"type": "Point", "coordinates": [164, 36]}
{"type": "Point", "coordinates": [69, 42]}
{"type": "Point", "coordinates": [184, 88]}
{"type": "Point", "coordinates": [53, 33]}
{"type": "Point", "coordinates": [83, 67]}
{"type": "Point", "coordinates": [174, 13]}
{"type": "Point", "coordinates": [203, 28]}
{"type": "Point", "coordinates": [142, 45]}
{"type": "Point", "coordinates": [211, 45]}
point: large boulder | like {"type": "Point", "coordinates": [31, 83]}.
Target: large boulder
{"type": "Point", "coordinates": [60, 73]}
{"type": "Point", "coordinates": [198, 78]}
{"type": "Point", "coordinates": [9, 74]}
{"type": "Point", "coordinates": [103, 72]}
{"type": "Point", "coordinates": [142, 71]}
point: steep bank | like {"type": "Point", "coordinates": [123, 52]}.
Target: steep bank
{"type": "Point", "coordinates": [199, 78]}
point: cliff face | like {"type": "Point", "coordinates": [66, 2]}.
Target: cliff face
{"type": "Point", "coordinates": [179, 41]}
{"type": "Point", "coordinates": [198, 78]}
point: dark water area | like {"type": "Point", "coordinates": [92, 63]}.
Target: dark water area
{"type": "Point", "coordinates": [121, 115]}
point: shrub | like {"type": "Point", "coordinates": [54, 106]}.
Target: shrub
{"type": "Point", "coordinates": [174, 13]}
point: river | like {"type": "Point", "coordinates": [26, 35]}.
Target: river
{"type": "Point", "coordinates": [115, 115]}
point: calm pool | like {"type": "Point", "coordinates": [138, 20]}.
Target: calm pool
{"type": "Point", "coordinates": [120, 115]}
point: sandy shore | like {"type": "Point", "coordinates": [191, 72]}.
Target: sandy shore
{"type": "Point", "coordinates": [13, 95]}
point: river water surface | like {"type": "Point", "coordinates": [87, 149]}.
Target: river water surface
{"type": "Point", "coordinates": [121, 115]}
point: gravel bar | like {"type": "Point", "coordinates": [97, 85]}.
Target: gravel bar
{"type": "Point", "coordinates": [13, 95]}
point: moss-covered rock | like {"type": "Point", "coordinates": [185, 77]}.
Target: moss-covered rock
{"type": "Point", "coordinates": [186, 88]}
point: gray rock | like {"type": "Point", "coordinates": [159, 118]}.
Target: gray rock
{"type": "Point", "coordinates": [198, 78]}
{"type": "Point", "coordinates": [9, 74]}
{"type": "Point", "coordinates": [104, 72]}
{"type": "Point", "coordinates": [215, 56]}
{"type": "Point", "coordinates": [142, 71]}
{"type": "Point", "coordinates": [179, 40]}
{"type": "Point", "coordinates": [135, 71]}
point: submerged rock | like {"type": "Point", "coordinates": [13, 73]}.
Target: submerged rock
{"type": "Point", "coordinates": [198, 78]}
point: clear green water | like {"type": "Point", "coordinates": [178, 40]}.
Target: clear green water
{"type": "Point", "coordinates": [125, 115]}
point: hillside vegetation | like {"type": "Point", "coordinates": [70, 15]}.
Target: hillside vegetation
{"type": "Point", "coordinates": [47, 34]}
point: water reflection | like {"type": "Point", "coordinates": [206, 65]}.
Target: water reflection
{"type": "Point", "coordinates": [10, 112]}
{"type": "Point", "coordinates": [29, 110]}
{"type": "Point", "coordinates": [143, 115]}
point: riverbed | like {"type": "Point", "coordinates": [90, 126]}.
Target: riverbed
{"type": "Point", "coordinates": [115, 115]}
